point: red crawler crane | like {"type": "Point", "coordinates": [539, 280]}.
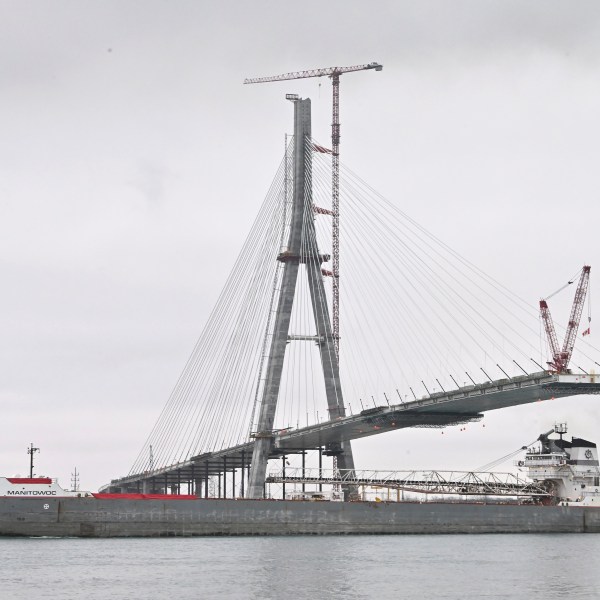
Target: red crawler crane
{"type": "Point", "coordinates": [560, 358]}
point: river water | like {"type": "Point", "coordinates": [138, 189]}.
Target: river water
{"type": "Point", "coordinates": [531, 567]}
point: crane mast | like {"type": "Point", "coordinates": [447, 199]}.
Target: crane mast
{"type": "Point", "coordinates": [562, 356]}
{"type": "Point", "coordinates": [334, 73]}
{"type": "Point", "coordinates": [335, 209]}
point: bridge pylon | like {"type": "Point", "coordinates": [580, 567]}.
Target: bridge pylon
{"type": "Point", "coordinates": [301, 249]}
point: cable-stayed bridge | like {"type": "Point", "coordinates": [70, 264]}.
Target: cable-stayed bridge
{"type": "Point", "coordinates": [269, 378]}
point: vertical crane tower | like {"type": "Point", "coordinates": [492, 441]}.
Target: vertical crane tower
{"type": "Point", "coordinates": [334, 73]}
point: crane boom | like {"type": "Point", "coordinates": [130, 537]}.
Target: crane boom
{"type": "Point", "coordinates": [561, 357]}
{"type": "Point", "coordinates": [551, 334]}
{"type": "Point", "coordinates": [576, 310]}
{"type": "Point", "coordinates": [327, 72]}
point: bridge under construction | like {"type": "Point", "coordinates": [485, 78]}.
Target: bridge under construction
{"type": "Point", "coordinates": [242, 396]}
{"type": "Point", "coordinates": [327, 438]}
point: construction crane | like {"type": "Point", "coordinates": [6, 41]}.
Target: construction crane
{"type": "Point", "coordinates": [561, 357]}
{"type": "Point", "coordinates": [334, 73]}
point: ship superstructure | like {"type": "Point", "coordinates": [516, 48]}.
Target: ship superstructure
{"type": "Point", "coordinates": [570, 470]}
{"type": "Point", "coordinates": [35, 487]}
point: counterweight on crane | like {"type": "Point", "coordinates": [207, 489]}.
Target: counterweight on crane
{"type": "Point", "coordinates": [334, 73]}
{"type": "Point", "coordinates": [561, 357]}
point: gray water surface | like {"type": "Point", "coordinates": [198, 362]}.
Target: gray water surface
{"type": "Point", "coordinates": [544, 566]}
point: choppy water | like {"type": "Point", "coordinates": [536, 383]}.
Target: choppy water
{"type": "Point", "coordinates": [414, 567]}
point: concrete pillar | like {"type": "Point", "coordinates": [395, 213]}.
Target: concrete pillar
{"type": "Point", "coordinates": [291, 260]}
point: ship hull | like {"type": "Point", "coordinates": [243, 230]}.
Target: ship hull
{"type": "Point", "coordinates": [91, 517]}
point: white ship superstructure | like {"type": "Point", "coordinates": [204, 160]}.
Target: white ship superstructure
{"type": "Point", "coordinates": [569, 469]}
{"type": "Point", "coordinates": [35, 487]}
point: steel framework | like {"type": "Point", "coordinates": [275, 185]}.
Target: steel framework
{"type": "Point", "coordinates": [459, 483]}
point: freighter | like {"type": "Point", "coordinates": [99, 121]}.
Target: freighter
{"type": "Point", "coordinates": [563, 496]}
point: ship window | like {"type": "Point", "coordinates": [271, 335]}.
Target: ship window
{"type": "Point", "coordinates": [596, 480]}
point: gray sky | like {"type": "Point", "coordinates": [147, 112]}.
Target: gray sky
{"type": "Point", "coordinates": [133, 160]}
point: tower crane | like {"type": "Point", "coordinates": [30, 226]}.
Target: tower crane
{"type": "Point", "coordinates": [334, 73]}
{"type": "Point", "coordinates": [561, 357]}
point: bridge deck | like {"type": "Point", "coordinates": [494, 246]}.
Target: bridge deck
{"type": "Point", "coordinates": [442, 409]}
{"type": "Point", "coordinates": [436, 410]}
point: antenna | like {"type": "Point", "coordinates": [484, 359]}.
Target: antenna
{"type": "Point", "coordinates": [75, 480]}
{"type": "Point", "coordinates": [561, 429]}
{"type": "Point", "coordinates": [31, 451]}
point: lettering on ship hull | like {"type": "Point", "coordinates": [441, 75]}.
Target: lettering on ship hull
{"type": "Point", "coordinates": [31, 492]}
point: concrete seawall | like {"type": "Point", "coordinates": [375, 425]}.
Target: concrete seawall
{"type": "Point", "coordinates": [89, 517]}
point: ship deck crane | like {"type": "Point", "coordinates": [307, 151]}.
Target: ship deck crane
{"type": "Point", "coordinates": [334, 73]}
{"type": "Point", "coordinates": [561, 357]}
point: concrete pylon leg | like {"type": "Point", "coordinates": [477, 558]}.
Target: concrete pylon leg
{"type": "Point", "coordinates": [291, 262]}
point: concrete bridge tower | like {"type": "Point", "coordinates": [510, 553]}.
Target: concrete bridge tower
{"type": "Point", "coordinates": [301, 249]}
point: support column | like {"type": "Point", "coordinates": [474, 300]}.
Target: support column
{"type": "Point", "coordinates": [242, 473]}
{"type": "Point", "coordinates": [320, 467]}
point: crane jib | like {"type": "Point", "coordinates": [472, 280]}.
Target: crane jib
{"type": "Point", "coordinates": [327, 72]}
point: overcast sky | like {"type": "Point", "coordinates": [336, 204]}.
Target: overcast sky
{"type": "Point", "coordinates": [133, 160]}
